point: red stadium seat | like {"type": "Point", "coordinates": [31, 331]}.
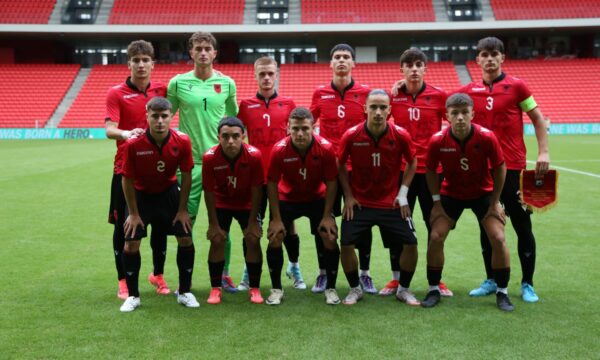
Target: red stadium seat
{"type": "Point", "coordinates": [26, 11]}
{"type": "Point", "coordinates": [545, 9]}
{"type": "Point", "coordinates": [358, 11]}
{"type": "Point", "coordinates": [177, 12]}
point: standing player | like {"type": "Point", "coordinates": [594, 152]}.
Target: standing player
{"type": "Point", "coordinates": [203, 96]}
{"type": "Point", "coordinates": [126, 117]}
{"type": "Point", "coordinates": [419, 108]}
{"type": "Point", "coordinates": [466, 152]}
{"type": "Point", "coordinates": [233, 178]}
{"type": "Point", "coordinates": [302, 181]}
{"type": "Point", "coordinates": [265, 116]}
{"type": "Point", "coordinates": [500, 101]}
{"type": "Point", "coordinates": [151, 161]}
{"type": "Point", "coordinates": [376, 150]}
{"type": "Point", "coordinates": [337, 107]}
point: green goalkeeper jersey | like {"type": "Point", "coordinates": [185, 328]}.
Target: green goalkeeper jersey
{"type": "Point", "coordinates": [202, 104]}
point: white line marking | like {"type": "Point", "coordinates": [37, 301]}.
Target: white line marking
{"type": "Point", "coordinates": [570, 170]}
{"type": "Point", "coordinates": [576, 161]}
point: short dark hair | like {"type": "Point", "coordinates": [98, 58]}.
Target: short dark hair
{"type": "Point", "coordinates": [158, 103]}
{"type": "Point", "coordinates": [459, 100]}
{"type": "Point", "coordinates": [301, 113]}
{"type": "Point", "coordinates": [375, 92]}
{"type": "Point", "coordinates": [490, 44]}
{"type": "Point", "coordinates": [140, 47]}
{"type": "Point", "coordinates": [411, 55]}
{"type": "Point", "coordinates": [230, 121]}
{"type": "Point", "coordinates": [200, 37]}
{"type": "Point", "coordinates": [342, 47]}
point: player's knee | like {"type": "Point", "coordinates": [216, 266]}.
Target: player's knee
{"type": "Point", "coordinates": [131, 247]}
{"type": "Point", "coordinates": [436, 238]}
{"type": "Point", "coordinates": [184, 241]}
{"type": "Point", "coordinates": [497, 240]}
{"type": "Point", "coordinates": [252, 243]}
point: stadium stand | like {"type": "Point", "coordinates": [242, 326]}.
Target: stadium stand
{"type": "Point", "coordinates": [31, 93]}
{"type": "Point", "coordinates": [359, 11]}
{"type": "Point", "coordinates": [300, 80]}
{"type": "Point", "coordinates": [26, 11]}
{"type": "Point", "coordinates": [177, 12]}
{"type": "Point", "coordinates": [89, 107]}
{"type": "Point", "coordinates": [557, 86]}
{"type": "Point", "coordinates": [545, 9]}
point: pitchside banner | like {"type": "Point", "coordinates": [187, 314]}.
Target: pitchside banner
{"type": "Point", "coordinates": [98, 133]}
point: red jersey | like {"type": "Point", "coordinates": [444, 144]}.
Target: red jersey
{"type": "Point", "coordinates": [376, 165]}
{"type": "Point", "coordinates": [497, 107]}
{"type": "Point", "coordinates": [337, 112]}
{"type": "Point", "coordinates": [465, 167]}
{"type": "Point", "coordinates": [126, 105]}
{"type": "Point", "coordinates": [302, 179]}
{"type": "Point", "coordinates": [422, 116]}
{"type": "Point", "coordinates": [232, 180]}
{"type": "Point", "coordinates": [153, 167]}
{"type": "Point", "coordinates": [266, 121]}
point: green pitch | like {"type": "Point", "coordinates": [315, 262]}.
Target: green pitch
{"type": "Point", "coordinates": [59, 283]}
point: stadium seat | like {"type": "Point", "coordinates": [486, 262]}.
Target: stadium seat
{"type": "Point", "coordinates": [31, 100]}
{"type": "Point", "coordinates": [552, 83]}
{"type": "Point", "coordinates": [545, 9]}
{"type": "Point", "coordinates": [177, 12]}
{"type": "Point", "coordinates": [26, 11]}
{"type": "Point", "coordinates": [358, 11]}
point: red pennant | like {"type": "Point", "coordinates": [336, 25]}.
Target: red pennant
{"type": "Point", "coordinates": [539, 194]}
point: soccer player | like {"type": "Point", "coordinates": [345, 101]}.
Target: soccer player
{"type": "Point", "coordinates": [500, 101]}
{"type": "Point", "coordinates": [265, 116]}
{"type": "Point", "coordinates": [151, 161]}
{"type": "Point", "coordinates": [419, 108]}
{"type": "Point", "coordinates": [203, 97]}
{"type": "Point", "coordinates": [302, 181]}
{"type": "Point", "coordinates": [233, 178]}
{"type": "Point", "coordinates": [126, 117]}
{"type": "Point", "coordinates": [466, 152]}
{"type": "Point", "coordinates": [372, 194]}
{"type": "Point", "coordinates": [336, 107]}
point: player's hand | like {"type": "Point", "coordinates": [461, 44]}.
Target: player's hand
{"type": "Point", "coordinates": [253, 231]}
{"type": "Point", "coordinates": [328, 229]}
{"type": "Point", "coordinates": [397, 86]}
{"type": "Point", "coordinates": [136, 132]}
{"type": "Point", "coordinates": [405, 211]}
{"type": "Point", "coordinates": [349, 203]}
{"type": "Point", "coordinates": [215, 234]}
{"type": "Point", "coordinates": [542, 165]}
{"type": "Point", "coordinates": [496, 211]}
{"type": "Point", "coordinates": [183, 217]}
{"type": "Point", "coordinates": [276, 231]}
{"type": "Point", "coordinates": [437, 211]}
{"type": "Point", "coordinates": [131, 224]}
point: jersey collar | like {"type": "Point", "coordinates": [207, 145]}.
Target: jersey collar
{"type": "Point", "coordinates": [132, 86]}
{"type": "Point", "coordinates": [373, 136]}
{"type": "Point", "coordinates": [414, 97]}
{"type": "Point", "coordinates": [498, 79]}
{"type": "Point", "coordinates": [265, 100]}
{"type": "Point", "coordinates": [312, 141]}
{"type": "Point", "coordinates": [462, 143]}
{"type": "Point", "coordinates": [345, 89]}
{"type": "Point", "coordinates": [153, 142]}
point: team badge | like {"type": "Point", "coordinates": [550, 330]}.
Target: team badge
{"type": "Point", "coordinates": [217, 88]}
{"type": "Point", "coordinates": [190, 87]}
{"type": "Point", "coordinates": [506, 88]}
{"type": "Point", "coordinates": [428, 99]}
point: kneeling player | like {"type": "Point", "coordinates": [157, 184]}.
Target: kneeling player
{"type": "Point", "coordinates": [303, 182]}
{"type": "Point", "coordinates": [233, 177]}
{"type": "Point", "coordinates": [150, 188]}
{"type": "Point", "coordinates": [376, 149]}
{"type": "Point", "coordinates": [464, 150]}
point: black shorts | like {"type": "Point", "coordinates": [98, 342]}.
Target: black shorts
{"type": "Point", "coordinates": [313, 210]}
{"type": "Point", "coordinates": [159, 210]}
{"type": "Point", "coordinates": [395, 231]}
{"type": "Point", "coordinates": [226, 216]}
{"type": "Point", "coordinates": [118, 205]}
{"type": "Point", "coordinates": [454, 207]}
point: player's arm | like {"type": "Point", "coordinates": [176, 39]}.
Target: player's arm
{"type": "Point", "coordinates": [112, 118]}
{"type": "Point", "coordinates": [231, 106]}
{"type": "Point", "coordinates": [276, 227]}
{"type": "Point", "coordinates": [349, 200]}
{"type": "Point", "coordinates": [113, 131]}
{"type": "Point", "coordinates": [214, 232]}
{"type": "Point", "coordinates": [253, 230]}
{"type": "Point", "coordinates": [327, 227]}
{"type": "Point", "coordinates": [541, 134]}
{"type": "Point", "coordinates": [182, 215]}
{"type": "Point", "coordinates": [402, 197]}
{"type": "Point", "coordinates": [397, 86]}
{"type": "Point", "coordinates": [433, 182]}
{"type": "Point", "coordinates": [172, 95]}
{"type": "Point", "coordinates": [133, 218]}
{"type": "Point", "coordinates": [495, 209]}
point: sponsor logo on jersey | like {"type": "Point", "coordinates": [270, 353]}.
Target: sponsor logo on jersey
{"type": "Point", "coordinates": [222, 167]}
{"type": "Point", "coordinates": [129, 96]}
{"type": "Point", "coordinates": [143, 153]}
{"type": "Point", "coordinates": [327, 96]}
{"type": "Point", "coordinates": [253, 106]}
{"type": "Point", "coordinates": [478, 89]}
{"type": "Point", "coordinates": [360, 144]}
{"type": "Point", "coordinates": [217, 88]}
{"type": "Point", "coordinates": [447, 150]}
{"type": "Point", "coordinates": [286, 160]}
{"type": "Point", "coordinates": [399, 99]}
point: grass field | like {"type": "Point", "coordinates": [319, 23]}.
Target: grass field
{"type": "Point", "coordinates": [59, 298]}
